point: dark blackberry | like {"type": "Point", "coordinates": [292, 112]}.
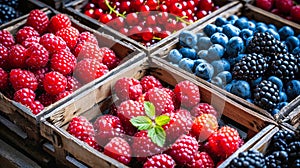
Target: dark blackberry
{"type": "Point", "coordinates": [266, 95]}
{"type": "Point", "coordinates": [266, 44]}
{"type": "Point", "coordinates": [250, 67]}
{"type": "Point", "coordinates": [12, 3]}
{"type": "Point", "coordinates": [251, 158]}
{"type": "Point", "coordinates": [296, 164]}
{"type": "Point", "coordinates": [284, 66]}
{"type": "Point", "coordinates": [7, 13]}
{"type": "Point", "coordinates": [281, 140]}
{"type": "Point", "coordinates": [278, 159]}
{"type": "Point", "coordinates": [294, 150]}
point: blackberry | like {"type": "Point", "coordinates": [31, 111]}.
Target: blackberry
{"type": "Point", "coordinates": [296, 164]}
{"type": "Point", "coordinates": [266, 44]}
{"type": "Point", "coordinates": [250, 67]}
{"type": "Point", "coordinates": [281, 140]}
{"type": "Point", "coordinates": [7, 13]}
{"type": "Point", "coordinates": [278, 159]}
{"type": "Point", "coordinates": [251, 158]}
{"type": "Point", "coordinates": [294, 150]}
{"type": "Point", "coordinates": [266, 95]}
{"type": "Point", "coordinates": [12, 3]}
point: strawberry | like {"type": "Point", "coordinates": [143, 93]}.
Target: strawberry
{"type": "Point", "coordinates": [17, 57]}
{"type": "Point", "coordinates": [107, 127]}
{"type": "Point", "coordinates": [109, 58]}
{"type": "Point", "coordinates": [202, 159]}
{"type": "Point", "coordinates": [203, 108]}
{"type": "Point", "coordinates": [37, 56]}
{"type": "Point", "coordinates": [160, 160]}
{"type": "Point", "coordinates": [81, 128]}
{"type": "Point", "coordinates": [183, 150]}
{"type": "Point", "coordinates": [4, 57]}
{"type": "Point", "coordinates": [149, 82]}
{"type": "Point", "coordinates": [30, 41]}
{"type": "Point", "coordinates": [92, 142]}
{"type": "Point", "coordinates": [25, 33]}
{"type": "Point", "coordinates": [24, 96]}
{"type": "Point", "coordinates": [36, 107]}
{"type": "Point", "coordinates": [187, 94]}
{"type": "Point", "coordinates": [62, 95]}
{"type": "Point", "coordinates": [38, 20]}
{"type": "Point", "coordinates": [284, 6]}
{"type": "Point", "coordinates": [54, 83]}
{"type": "Point", "coordinates": [73, 84]}
{"type": "Point", "coordinates": [224, 142]}
{"type": "Point", "coordinates": [59, 22]}
{"type": "Point", "coordinates": [295, 13]}
{"type": "Point", "coordinates": [3, 79]}
{"type": "Point", "coordinates": [86, 50]}
{"type": "Point", "coordinates": [89, 69]}
{"type": "Point", "coordinates": [87, 37]}
{"type": "Point", "coordinates": [162, 100]}
{"type": "Point", "coordinates": [40, 75]}
{"type": "Point", "coordinates": [128, 89]}
{"type": "Point", "coordinates": [6, 39]}
{"type": "Point", "coordinates": [63, 62]}
{"type": "Point", "coordinates": [265, 4]}
{"type": "Point", "coordinates": [69, 35]}
{"type": "Point", "coordinates": [203, 126]}
{"type": "Point", "coordinates": [22, 79]}
{"type": "Point", "coordinates": [118, 149]}
{"type": "Point", "coordinates": [53, 43]}
{"type": "Point", "coordinates": [46, 99]}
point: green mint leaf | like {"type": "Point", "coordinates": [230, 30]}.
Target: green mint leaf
{"type": "Point", "coordinates": [157, 135]}
{"type": "Point", "coordinates": [162, 120]}
{"type": "Point", "coordinates": [149, 109]}
{"type": "Point", "coordinates": [141, 122]}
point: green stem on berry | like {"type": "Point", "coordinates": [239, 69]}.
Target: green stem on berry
{"type": "Point", "coordinates": [181, 19]}
{"type": "Point", "coordinates": [156, 38]}
{"type": "Point", "coordinates": [111, 9]}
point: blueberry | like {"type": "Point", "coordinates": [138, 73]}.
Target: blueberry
{"type": "Point", "coordinates": [186, 64]}
{"type": "Point", "coordinates": [233, 17]}
{"type": "Point", "coordinates": [271, 26]}
{"type": "Point", "coordinates": [217, 81]}
{"type": "Point", "coordinates": [220, 21]}
{"type": "Point", "coordinates": [292, 42]}
{"type": "Point", "coordinates": [188, 53]}
{"type": "Point", "coordinates": [228, 87]}
{"type": "Point", "coordinates": [261, 29]}
{"type": "Point", "coordinates": [219, 38]}
{"type": "Point", "coordinates": [203, 43]}
{"type": "Point", "coordinates": [293, 89]}
{"type": "Point", "coordinates": [274, 33]}
{"type": "Point", "coordinates": [197, 62]}
{"type": "Point", "coordinates": [283, 96]}
{"type": "Point", "coordinates": [275, 111]}
{"type": "Point", "coordinates": [277, 81]}
{"type": "Point", "coordinates": [245, 34]}
{"type": "Point", "coordinates": [235, 46]}
{"type": "Point", "coordinates": [241, 23]}
{"type": "Point", "coordinates": [285, 32]}
{"type": "Point", "coordinates": [202, 54]}
{"type": "Point", "coordinates": [219, 29]}
{"type": "Point", "coordinates": [252, 25]}
{"type": "Point", "coordinates": [241, 88]}
{"type": "Point", "coordinates": [254, 83]}
{"type": "Point", "coordinates": [200, 34]}
{"type": "Point", "coordinates": [215, 52]}
{"type": "Point", "coordinates": [204, 70]}
{"type": "Point", "coordinates": [187, 39]}
{"type": "Point", "coordinates": [261, 24]}
{"type": "Point", "coordinates": [220, 65]}
{"type": "Point", "coordinates": [250, 100]}
{"type": "Point", "coordinates": [226, 76]}
{"type": "Point", "coordinates": [231, 30]}
{"type": "Point", "coordinates": [174, 56]}
{"type": "Point", "coordinates": [281, 105]}
{"type": "Point", "coordinates": [210, 29]}
{"type": "Point", "coordinates": [296, 51]}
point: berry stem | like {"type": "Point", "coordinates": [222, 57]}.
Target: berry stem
{"type": "Point", "coordinates": [181, 19]}
{"type": "Point", "coordinates": [111, 9]}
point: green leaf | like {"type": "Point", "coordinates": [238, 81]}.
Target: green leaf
{"type": "Point", "coordinates": [141, 122]}
{"type": "Point", "coordinates": [162, 120]}
{"type": "Point", "coordinates": [149, 109]}
{"type": "Point", "coordinates": [157, 135]}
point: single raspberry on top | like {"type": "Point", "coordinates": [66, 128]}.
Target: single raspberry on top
{"type": "Point", "coordinates": [6, 39]}
{"type": "Point", "coordinates": [187, 94]}
{"type": "Point", "coordinates": [37, 56]}
{"type": "Point", "coordinates": [63, 61]}
{"type": "Point", "coordinates": [81, 128]}
{"type": "Point", "coordinates": [128, 89]}
{"type": "Point", "coordinates": [54, 83]}
{"type": "Point", "coordinates": [53, 43]}
{"type": "Point", "coordinates": [59, 22]}
{"type": "Point", "coordinates": [109, 58]}
{"type": "Point", "coordinates": [3, 79]}
{"type": "Point", "coordinates": [118, 149]}
{"type": "Point", "coordinates": [149, 82]}
{"type": "Point", "coordinates": [24, 96]}
{"type": "Point", "coordinates": [25, 33]}
{"type": "Point", "coordinates": [17, 57]}
{"type": "Point", "coordinates": [22, 79]}
{"type": "Point", "coordinates": [161, 100]}
{"type": "Point", "coordinates": [69, 35]}
{"type": "Point", "coordinates": [160, 160]}
{"type": "Point", "coordinates": [38, 20]}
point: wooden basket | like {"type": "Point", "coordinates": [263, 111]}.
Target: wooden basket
{"type": "Point", "coordinates": [97, 100]}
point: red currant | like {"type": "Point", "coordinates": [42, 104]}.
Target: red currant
{"type": "Point", "coordinates": [132, 19]}
{"type": "Point", "coordinates": [206, 5]}
{"type": "Point", "coordinates": [105, 18]}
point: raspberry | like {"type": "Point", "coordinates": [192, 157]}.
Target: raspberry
{"type": "Point", "coordinates": [22, 79]}
{"type": "Point", "coordinates": [53, 43]}
{"type": "Point", "coordinates": [63, 61]}
{"type": "Point", "coordinates": [107, 127]}
{"type": "Point", "coordinates": [25, 33]}
{"type": "Point", "coordinates": [46, 99]}
{"type": "Point", "coordinates": [202, 159]}
{"type": "Point", "coordinates": [30, 41]}
{"type": "Point", "coordinates": [17, 57]}
{"type": "Point", "coordinates": [59, 22]}
{"type": "Point", "coordinates": [118, 149]}
{"type": "Point", "coordinates": [81, 128]}
{"type": "Point", "coordinates": [62, 95]}
{"type": "Point", "coordinates": [37, 56]}
{"type": "Point", "coordinates": [6, 39]}
{"type": "Point", "coordinates": [284, 6]}
{"type": "Point", "coordinates": [88, 51]}
{"type": "Point", "coordinates": [4, 57]}
{"type": "Point", "coordinates": [265, 4]}
{"type": "Point", "coordinates": [161, 100]}
{"type": "Point", "coordinates": [89, 69]}
{"type": "Point", "coordinates": [40, 75]}
{"type": "Point", "coordinates": [204, 108]}
{"type": "Point", "coordinates": [36, 107]}
{"type": "Point", "coordinates": [187, 94]}
{"type": "Point", "coordinates": [38, 20]}
{"type": "Point", "coordinates": [92, 142]}
{"type": "Point", "coordinates": [149, 82]}
{"type": "Point", "coordinates": [73, 84]}
{"type": "Point", "coordinates": [69, 35]}
{"type": "Point", "coordinates": [54, 83]}
{"type": "Point", "coordinates": [295, 13]}
{"type": "Point", "coordinates": [184, 149]}
{"type": "Point", "coordinates": [160, 160]}
{"type": "Point", "coordinates": [128, 88]}
{"type": "Point", "coordinates": [87, 37]}
{"type": "Point", "coordinates": [24, 96]}
{"type": "Point", "coordinates": [3, 79]}
{"type": "Point", "coordinates": [109, 58]}
{"type": "Point", "coordinates": [172, 94]}
{"type": "Point", "coordinates": [203, 126]}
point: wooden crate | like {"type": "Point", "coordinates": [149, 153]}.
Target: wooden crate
{"type": "Point", "coordinates": [56, 4]}
{"type": "Point", "coordinates": [97, 100]}
{"type": "Point", "coordinates": [75, 9]}
{"type": "Point", "coordinates": [251, 13]}
{"type": "Point", "coordinates": [23, 117]}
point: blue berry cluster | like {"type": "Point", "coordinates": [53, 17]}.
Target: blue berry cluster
{"type": "Point", "coordinates": [213, 53]}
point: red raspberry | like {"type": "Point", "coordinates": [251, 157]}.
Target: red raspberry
{"type": "Point", "coordinates": [17, 57]}
{"type": "Point", "coordinates": [203, 126]}
{"type": "Point", "coordinates": [25, 33]}
{"type": "Point", "coordinates": [204, 108]}
{"type": "Point", "coordinates": [284, 6]}
{"type": "Point", "coordinates": [30, 41]}
{"type": "Point", "coordinates": [40, 75]}
{"type": "Point", "coordinates": [73, 84]}
{"type": "Point", "coordinates": [92, 142]}
{"type": "Point", "coordinates": [46, 99]}
{"type": "Point", "coordinates": [160, 160]}
{"type": "Point", "coordinates": [107, 127]}
{"type": "Point", "coordinates": [62, 95]}
{"type": "Point", "coordinates": [87, 37]}
{"type": "Point", "coordinates": [161, 100]}
{"type": "Point", "coordinates": [53, 43]}
{"type": "Point", "coordinates": [4, 57]}
{"type": "Point", "coordinates": [58, 22]}
{"type": "Point", "coordinates": [265, 4]}
{"type": "Point", "coordinates": [149, 82]}
{"type": "Point", "coordinates": [88, 51]}
{"type": "Point", "coordinates": [187, 94]}
{"type": "Point", "coordinates": [109, 58]}
{"type": "Point", "coordinates": [54, 83]}
{"type": "Point", "coordinates": [37, 56]}
{"type": "Point", "coordinates": [128, 88]}
{"type": "Point", "coordinates": [224, 142]}
{"type": "Point", "coordinates": [3, 79]}
{"type": "Point", "coordinates": [89, 69]}
{"type": "Point", "coordinates": [36, 107]}
{"type": "Point", "coordinates": [295, 13]}
{"type": "Point", "coordinates": [38, 20]}
{"type": "Point", "coordinates": [24, 96]}
{"type": "Point", "coordinates": [69, 35]}
{"type": "Point", "coordinates": [172, 94]}
{"type": "Point", "coordinates": [22, 79]}
{"type": "Point", "coordinates": [81, 128]}
{"type": "Point", "coordinates": [202, 159]}
{"type": "Point", "coordinates": [6, 39]}
{"type": "Point", "coordinates": [118, 149]}
{"type": "Point", "coordinates": [183, 150]}
{"type": "Point", "coordinates": [63, 61]}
